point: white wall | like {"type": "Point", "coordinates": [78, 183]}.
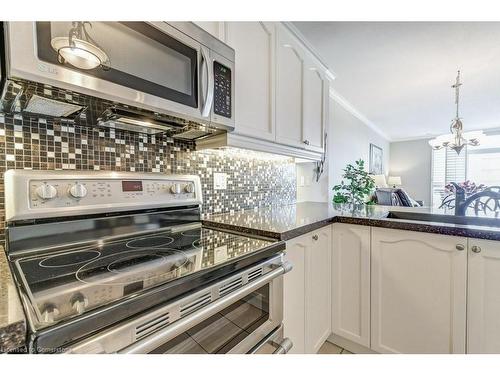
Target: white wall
{"type": "Point", "coordinates": [308, 190]}
{"type": "Point", "coordinates": [349, 140]}
{"type": "Point", "coordinates": [412, 161]}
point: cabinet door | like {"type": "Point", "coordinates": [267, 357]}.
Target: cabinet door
{"type": "Point", "coordinates": [289, 89]}
{"type": "Point", "coordinates": [294, 294]}
{"type": "Point", "coordinates": [316, 88]}
{"type": "Point", "coordinates": [418, 288]}
{"type": "Point", "coordinates": [483, 305]}
{"type": "Point", "coordinates": [255, 45]}
{"type": "Point", "coordinates": [351, 282]}
{"type": "Point", "coordinates": [318, 289]}
{"type": "Point", "coordinates": [213, 27]}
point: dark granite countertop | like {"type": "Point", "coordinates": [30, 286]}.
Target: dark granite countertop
{"type": "Point", "coordinates": [286, 222]}
{"type": "Point", "coordinates": [12, 320]}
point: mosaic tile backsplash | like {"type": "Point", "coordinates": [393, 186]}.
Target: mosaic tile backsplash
{"type": "Point", "coordinates": [253, 179]}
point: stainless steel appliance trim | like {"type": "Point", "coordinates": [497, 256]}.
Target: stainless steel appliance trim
{"type": "Point", "coordinates": [121, 338]}
{"type": "Point", "coordinates": [18, 203]}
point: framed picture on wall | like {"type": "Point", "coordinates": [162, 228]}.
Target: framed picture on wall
{"type": "Point", "coordinates": [376, 159]}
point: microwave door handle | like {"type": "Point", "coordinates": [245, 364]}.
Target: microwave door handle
{"type": "Point", "coordinates": [207, 69]}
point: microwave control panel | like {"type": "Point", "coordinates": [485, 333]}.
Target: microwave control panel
{"type": "Point", "coordinates": [222, 90]}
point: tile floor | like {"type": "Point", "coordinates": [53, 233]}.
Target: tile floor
{"type": "Point", "coordinates": [329, 348]}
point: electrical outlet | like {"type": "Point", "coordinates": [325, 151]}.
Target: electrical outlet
{"type": "Point", "coordinates": [220, 181]}
{"type": "Point", "coordinates": [302, 181]}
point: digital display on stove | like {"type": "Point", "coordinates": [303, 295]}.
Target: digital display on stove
{"type": "Point", "coordinates": [131, 186]}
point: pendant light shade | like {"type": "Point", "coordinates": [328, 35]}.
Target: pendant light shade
{"type": "Point", "coordinates": [79, 49]}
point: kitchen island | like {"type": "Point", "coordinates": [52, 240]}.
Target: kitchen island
{"type": "Point", "coordinates": [384, 279]}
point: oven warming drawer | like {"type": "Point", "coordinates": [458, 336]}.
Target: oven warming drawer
{"type": "Point", "coordinates": [273, 344]}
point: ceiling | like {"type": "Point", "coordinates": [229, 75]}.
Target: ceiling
{"type": "Point", "coordinates": [399, 74]}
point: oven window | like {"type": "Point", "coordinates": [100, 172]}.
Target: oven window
{"type": "Point", "coordinates": [224, 330]}
{"type": "Point", "coordinates": [141, 57]}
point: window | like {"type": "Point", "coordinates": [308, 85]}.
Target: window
{"type": "Point", "coordinates": [479, 164]}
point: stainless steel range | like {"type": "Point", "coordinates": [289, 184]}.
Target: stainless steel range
{"type": "Point", "coordinates": [111, 262]}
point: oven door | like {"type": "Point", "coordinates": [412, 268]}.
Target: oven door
{"type": "Point", "coordinates": [152, 65]}
{"type": "Point", "coordinates": [233, 315]}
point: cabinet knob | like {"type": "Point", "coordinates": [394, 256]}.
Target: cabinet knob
{"type": "Point", "coordinates": [306, 142]}
{"type": "Point", "coordinates": [460, 247]}
{"type": "Point", "coordinates": [315, 237]}
{"type": "Point", "coordinates": [476, 249]}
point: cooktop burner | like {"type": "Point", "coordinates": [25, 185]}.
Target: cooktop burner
{"type": "Point", "coordinates": [115, 269]}
{"type": "Point", "coordinates": [191, 233]}
{"type": "Point", "coordinates": [152, 241]}
{"type": "Point", "coordinates": [71, 259]}
{"type": "Point", "coordinates": [131, 266]}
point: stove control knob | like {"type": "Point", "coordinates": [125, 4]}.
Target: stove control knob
{"type": "Point", "coordinates": [79, 302]}
{"type": "Point", "coordinates": [49, 313]}
{"type": "Point", "coordinates": [175, 189]}
{"type": "Point", "coordinates": [189, 188]}
{"type": "Point", "coordinates": [46, 191]}
{"type": "Point", "coordinates": [78, 190]}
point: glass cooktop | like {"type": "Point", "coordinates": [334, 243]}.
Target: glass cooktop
{"type": "Point", "coordinates": [66, 284]}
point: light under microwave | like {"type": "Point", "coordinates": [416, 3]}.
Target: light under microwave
{"type": "Point", "coordinates": [173, 68]}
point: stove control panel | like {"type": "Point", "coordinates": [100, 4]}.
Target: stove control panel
{"type": "Point", "coordinates": [64, 193]}
{"type": "Point", "coordinates": [39, 194]}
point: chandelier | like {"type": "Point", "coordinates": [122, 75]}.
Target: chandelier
{"type": "Point", "coordinates": [458, 139]}
{"type": "Point", "coordinates": [79, 49]}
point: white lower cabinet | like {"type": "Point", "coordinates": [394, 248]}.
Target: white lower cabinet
{"type": "Point", "coordinates": [318, 289]}
{"type": "Point", "coordinates": [418, 292]}
{"type": "Point", "coordinates": [294, 294]}
{"type": "Point", "coordinates": [351, 282]}
{"type": "Point", "coordinates": [483, 305]}
{"type": "Point", "coordinates": [307, 291]}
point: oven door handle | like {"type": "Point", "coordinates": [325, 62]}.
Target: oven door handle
{"type": "Point", "coordinates": [156, 339]}
{"type": "Point", "coordinates": [208, 87]}
{"type": "Point", "coordinates": [284, 346]}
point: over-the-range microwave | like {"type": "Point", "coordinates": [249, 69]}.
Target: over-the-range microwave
{"type": "Point", "coordinates": [174, 68]}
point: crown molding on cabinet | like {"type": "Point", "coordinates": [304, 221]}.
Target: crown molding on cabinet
{"type": "Point", "coordinates": [296, 32]}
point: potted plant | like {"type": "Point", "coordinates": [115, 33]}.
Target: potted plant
{"type": "Point", "coordinates": [355, 187]}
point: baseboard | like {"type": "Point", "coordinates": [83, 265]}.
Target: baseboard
{"type": "Point", "coordinates": [349, 345]}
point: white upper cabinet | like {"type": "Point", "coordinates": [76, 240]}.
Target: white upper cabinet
{"type": "Point", "coordinates": [483, 317]}
{"type": "Point", "coordinates": [281, 90]}
{"type": "Point", "coordinates": [289, 89]}
{"type": "Point", "coordinates": [254, 44]}
{"type": "Point", "coordinates": [316, 91]}
{"type": "Point", "coordinates": [213, 27]}
{"type": "Point", "coordinates": [351, 282]}
{"type": "Point", "coordinates": [302, 91]}
{"type": "Point", "coordinates": [418, 290]}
